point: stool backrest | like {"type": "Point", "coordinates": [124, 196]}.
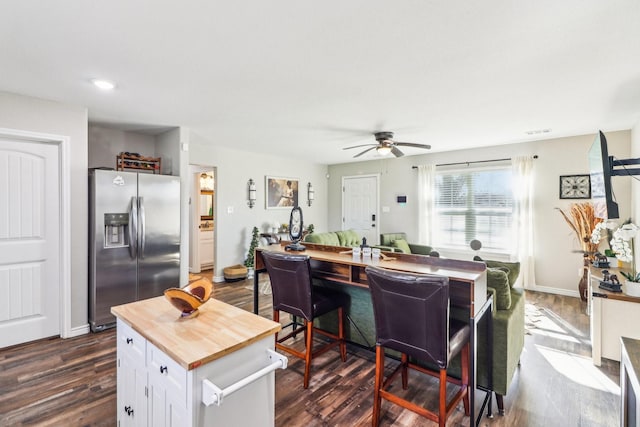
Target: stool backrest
{"type": "Point", "coordinates": [411, 313]}
{"type": "Point", "coordinates": [290, 283]}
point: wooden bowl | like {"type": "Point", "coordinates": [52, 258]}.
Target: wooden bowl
{"type": "Point", "coordinates": [189, 298]}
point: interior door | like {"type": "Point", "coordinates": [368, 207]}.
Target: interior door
{"type": "Point", "coordinates": [29, 241]}
{"type": "Point", "coordinates": [360, 206]}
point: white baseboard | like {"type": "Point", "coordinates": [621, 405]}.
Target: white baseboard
{"type": "Point", "coordinates": [218, 279]}
{"type": "Point", "coordinates": [77, 331]}
{"type": "Point", "coordinates": [557, 291]}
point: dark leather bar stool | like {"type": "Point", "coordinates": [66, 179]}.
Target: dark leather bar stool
{"type": "Point", "coordinates": [411, 313]}
{"type": "Point", "coordinates": [293, 292]}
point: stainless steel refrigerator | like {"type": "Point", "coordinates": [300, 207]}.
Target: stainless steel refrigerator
{"type": "Point", "coordinates": [134, 239]}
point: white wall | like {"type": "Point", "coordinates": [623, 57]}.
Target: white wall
{"type": "Point", "coordinates": [36, 115]}
{"type": "Point", "coordinates": [234, 168]}
{"type": "Point", "coordinates": [556, 265]}
{"type": "Point", "coordinates": [106, 143]}
{"type": "Point", "coordinates": [635, 184]}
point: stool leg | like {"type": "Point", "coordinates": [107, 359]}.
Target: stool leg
{"type": "Point", "coordinates": [442, 415]}
{"type": "Point", "coordinates": [343, 345]}
{"type": "Point", "coordinates": [308, 353]}
{"type": "Point", "coordinates": [276, 318]}
{"type": "Point", "coordinates": [377, 400]}
{"type": "Point", "coordinates": [405, 377]}
{"type": "Point", "coordinates": [465, 377]}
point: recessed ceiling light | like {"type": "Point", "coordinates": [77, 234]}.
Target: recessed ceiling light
{"type": "Point", "coordinates": [103, 84]}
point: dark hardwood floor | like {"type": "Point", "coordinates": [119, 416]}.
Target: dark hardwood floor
{"type": "Point", "coordinates": [72, 382]}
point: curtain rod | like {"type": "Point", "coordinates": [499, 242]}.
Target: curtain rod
{"type": "Point", "coordinates": [535, 156]}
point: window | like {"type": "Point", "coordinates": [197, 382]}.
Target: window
{"type": "Point", "coordinates": [474, 204]}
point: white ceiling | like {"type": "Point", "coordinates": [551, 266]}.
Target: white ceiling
{"type": "Point", "coordinates": [308, 78]}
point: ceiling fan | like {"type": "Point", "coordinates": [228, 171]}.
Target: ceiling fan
{"type": "Point", "coordinates": [386, 145]}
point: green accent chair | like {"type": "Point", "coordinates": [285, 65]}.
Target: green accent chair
{"type": "Point", "coordinates": [508, 325]}
{"type": "Point", "coordinates": [397, 242]}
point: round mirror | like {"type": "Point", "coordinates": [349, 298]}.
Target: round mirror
{"type": "Point", "coordinates": [295, 230]}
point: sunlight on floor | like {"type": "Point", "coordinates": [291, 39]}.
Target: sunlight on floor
{"type": "Point", "coordinates": [578, 369]}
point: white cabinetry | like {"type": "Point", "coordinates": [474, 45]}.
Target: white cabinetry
{"type": "Point", "coordinates": [164, 362]}
{"type": "Point", "coordinates": [132, 377]}
{"type": "Point", "coordinates": [206, 249]}
{"type": "Point", "coordinates": [613, 315]}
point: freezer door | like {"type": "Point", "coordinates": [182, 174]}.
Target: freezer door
{"type": "Point", "coordinates": [159, 234]}
{"type": "Point", "coordinates": [112, 268]}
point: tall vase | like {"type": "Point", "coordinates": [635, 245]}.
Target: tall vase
{"type": "Point", "coordinates": [583, 285]}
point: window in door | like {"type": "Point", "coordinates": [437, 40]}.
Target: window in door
{"type": "Point", "coordinates": [474, 204]}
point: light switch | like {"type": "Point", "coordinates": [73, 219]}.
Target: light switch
{"type": "Point", "coordinates": [386, 209]}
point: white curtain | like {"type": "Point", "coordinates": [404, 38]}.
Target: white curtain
{"type": "Point", "coordinates": [522, 168]}
{"type": "Point", "coordinates": [426, 202]}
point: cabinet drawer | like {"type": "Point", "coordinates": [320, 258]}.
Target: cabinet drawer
{"type": "Point", "coordinates": [131, 343]}
{"type": "Point", "coordinates": [165, 370]}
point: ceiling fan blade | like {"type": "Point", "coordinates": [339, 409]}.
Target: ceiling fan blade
{"type": "Point", "coordinates": [411, 144]}
{"type": "Point", "coordinates": [358, 146]}
{"type": "Point", "coordinates": [396, 152]}
{"type": "Point", "coordinates": [365, 151]}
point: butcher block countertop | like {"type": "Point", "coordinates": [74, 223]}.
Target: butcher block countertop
{"type": "Point", "coordinates": [218, 330]}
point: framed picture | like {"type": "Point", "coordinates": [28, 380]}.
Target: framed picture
{"type": "Point", "coordinates": [281, 193]}
{"type": "Point", "coordinates": [575, 186]}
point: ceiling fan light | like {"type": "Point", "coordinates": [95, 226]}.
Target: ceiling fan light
{"type": "Point", "coordinates": [383, 150]}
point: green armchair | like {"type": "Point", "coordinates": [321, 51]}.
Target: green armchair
{"type": "Point", "coordinates": [508, 325]}
{"type": "Point", "coordinates": [397, 242]}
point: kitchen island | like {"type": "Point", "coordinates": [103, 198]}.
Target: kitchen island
{"type": "Point", "coordinates": [201, 371]}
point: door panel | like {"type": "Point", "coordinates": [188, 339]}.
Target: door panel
{"type": "Point", "coordinates": [112, 269]}
{"type": "Point", "coordinates": [360, 206]}
{"type": "Point", "coordinates": [159, 256]}
{"type": "Point", "coordinates": [29, 241]}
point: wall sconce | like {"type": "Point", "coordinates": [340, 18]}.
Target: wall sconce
{"type": "Point", "coordinates": [252, 193]}
{"type": "Point", "coordinates": [311, 194]}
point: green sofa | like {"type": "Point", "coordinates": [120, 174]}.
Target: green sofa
{"type": "Point", "coordinates": [346, 238]}
{"type": "Point", "coordinates": [397, 242]}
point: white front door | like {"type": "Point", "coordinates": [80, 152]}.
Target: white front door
{"type": "Point", "coordinates": [360, 206]}
{"type": "Point", "coordinates": [29, 241]}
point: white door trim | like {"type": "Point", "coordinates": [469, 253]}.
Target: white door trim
{"type": "Point", "coordinates": [371, 175]}
{"type": "Point", "coordinates": [65, 220]}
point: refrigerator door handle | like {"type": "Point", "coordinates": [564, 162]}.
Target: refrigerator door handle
{"type": "Point", "coordinates": [142, 226]}
{"type": "Point", "coordinates": [133, 227]}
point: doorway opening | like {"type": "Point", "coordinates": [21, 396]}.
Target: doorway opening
{"type": "Point", "coordinates": [202, 218]}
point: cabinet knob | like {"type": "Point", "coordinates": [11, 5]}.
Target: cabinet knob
{"type": "Point", "coordinates": [128, 410]}
{"type": "Point", "coordinates": [163, 369]}
{"type": "Point", "coordinates": [129, 340]}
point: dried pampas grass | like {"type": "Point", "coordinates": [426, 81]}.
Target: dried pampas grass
{"type": "Point", "coordinates": [582, 220]}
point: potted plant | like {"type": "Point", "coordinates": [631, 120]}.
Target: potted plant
{"type": "Point", "coordinates": [583, 221]}
{"type": "Point", "coordinates": [622, 244]}
{"type": "Point", "coordinates": [249, 261]}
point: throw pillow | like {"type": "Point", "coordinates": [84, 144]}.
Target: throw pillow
{"type": "Point", "coordinates": [498, 280]}
{"type": "Point", "coordinates": [402, 245]}
{"type": "Point", "coordinates": [514, 269]}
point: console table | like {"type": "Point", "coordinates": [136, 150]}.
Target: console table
{"type": "Point", "coordinates": [467, 285]}
{"type": "Point", "coordinates": [613, 315]}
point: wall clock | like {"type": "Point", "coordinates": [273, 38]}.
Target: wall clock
{"type": "Point", "coordinates": [575, 187]}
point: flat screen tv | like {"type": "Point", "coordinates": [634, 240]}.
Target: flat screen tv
{"type": "Point", "coordinates": [601, 169]}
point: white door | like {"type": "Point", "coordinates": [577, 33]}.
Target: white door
{"type": "Point", "coordinates": [29, 241]}
{"type": "Point", "coordinates": [360, 206]}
